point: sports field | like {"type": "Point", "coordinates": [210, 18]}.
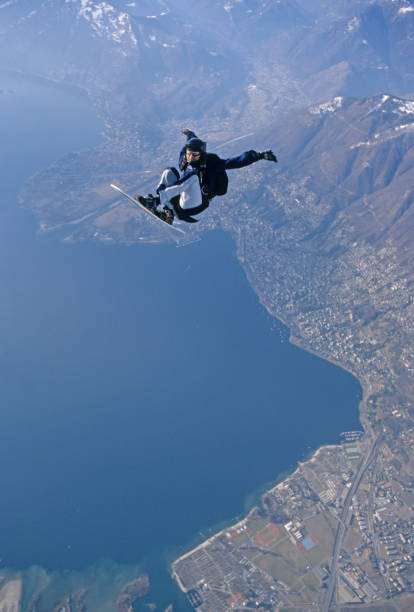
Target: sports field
{"type": "Point", "coordinates": [267, 535]}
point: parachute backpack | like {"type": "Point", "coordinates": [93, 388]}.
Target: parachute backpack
{"type": "Point", "coordinates": [222, 180]}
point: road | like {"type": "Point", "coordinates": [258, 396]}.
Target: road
{"type": "Point", "coordinates": [342, 526]}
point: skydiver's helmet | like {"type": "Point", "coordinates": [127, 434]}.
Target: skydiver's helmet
{"type": "Point", "coordinates": [195, 145]}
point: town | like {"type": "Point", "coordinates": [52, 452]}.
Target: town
{"type": "Point", "coordinates": [343, 522]}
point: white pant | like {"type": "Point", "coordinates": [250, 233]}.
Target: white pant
{"type": "Point", "coordinates": [189, 190]}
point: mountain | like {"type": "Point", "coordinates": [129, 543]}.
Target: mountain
{"type": "Point", "coordinates": [356, 156]}
{"type": "Point", "coordinates": [242, 61]}
{"type": "Point", "coordinates": [101, 41]}
{"type": "Point", "coordinates": [324, 11]}
{"type": "Point", "coordinates": [346, 166]}
{"type": "Point", "coordinates": [152, 67]}
{"type": "Point", "coordinates": [326, 238]}
{"type": "Point", "coordinates": [371, 49]}
{"type": "Point", "coordinates": [351, 160]}
{"type": "Point", "coordinates": [133, 58]}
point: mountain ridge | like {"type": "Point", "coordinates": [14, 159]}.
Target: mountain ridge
{"type": "Point", "coordinates": [170, 50]}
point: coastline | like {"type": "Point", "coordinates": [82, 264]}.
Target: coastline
{"type": "Point", "coordinates": [284, 477]}
{"type": "Point", "coordinates": [241, 523]}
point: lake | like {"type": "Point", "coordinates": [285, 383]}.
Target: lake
{"type": "Point", "coordinates": [145, 391]}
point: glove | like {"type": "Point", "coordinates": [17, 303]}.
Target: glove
{"type": "Point", "coordinates": [161, 188]}
{"type": "Point", "coordinates": [188, 132]}
{"type": "Point", "coordinates": [269, 156]}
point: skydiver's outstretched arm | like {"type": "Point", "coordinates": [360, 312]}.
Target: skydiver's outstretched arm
{"type": "Point", "coordinates": [247, 158]}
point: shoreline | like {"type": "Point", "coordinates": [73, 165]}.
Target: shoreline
{"type": "Point", "coordinates": [241, 523]}
{"type": "Point", "coordinates": [295, 341]}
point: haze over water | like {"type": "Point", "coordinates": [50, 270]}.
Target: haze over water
{"type": "Point", "coordinates": [144, 394]}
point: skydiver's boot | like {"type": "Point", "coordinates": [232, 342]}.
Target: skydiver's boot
{"type": "Point", "coordinates": [149, 202]}
{"type": "Point", "coordinates": [166, 215]}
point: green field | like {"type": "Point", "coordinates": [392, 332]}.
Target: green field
{"type": "Point", "coordinates": [268, 535]}
{"type": "Point", "coordinates": [305, 595]}
{"type": "Point", "coordinates": [311, 581]}
{"type": "Point", "coordinates": [240, 539]}
{"type": "Point", "coordinates": [286, 564]}
{"type": "Point", "coordinates": [323, 528]}
{"type": "Point", "coordinates": [256, 524]}
{"type": "Point", "coordinates": [353, 540]}
{"type": "Point", "coordinates": [278, 568]}
{"type": "Point", "coordinates": [292, 554]}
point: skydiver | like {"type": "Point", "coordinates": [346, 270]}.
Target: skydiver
{"type": "Point", "coordinates": [203, 176]}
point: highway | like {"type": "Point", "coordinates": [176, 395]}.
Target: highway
{"type": "Point", "coordinates": [369, 456]}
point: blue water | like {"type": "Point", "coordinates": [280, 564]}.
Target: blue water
{"type": "Point", "coordinates": [143, 392]}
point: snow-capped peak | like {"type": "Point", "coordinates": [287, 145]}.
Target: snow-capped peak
{"type": "Point", "coordinates": [106, 20]}
{"type": "Point", "coordinates": [327, 107]}
{"type": "Point", "coordinates": [407, 107]}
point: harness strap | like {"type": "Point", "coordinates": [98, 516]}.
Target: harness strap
{"type": "Point", "coordinates": [184, 213]}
